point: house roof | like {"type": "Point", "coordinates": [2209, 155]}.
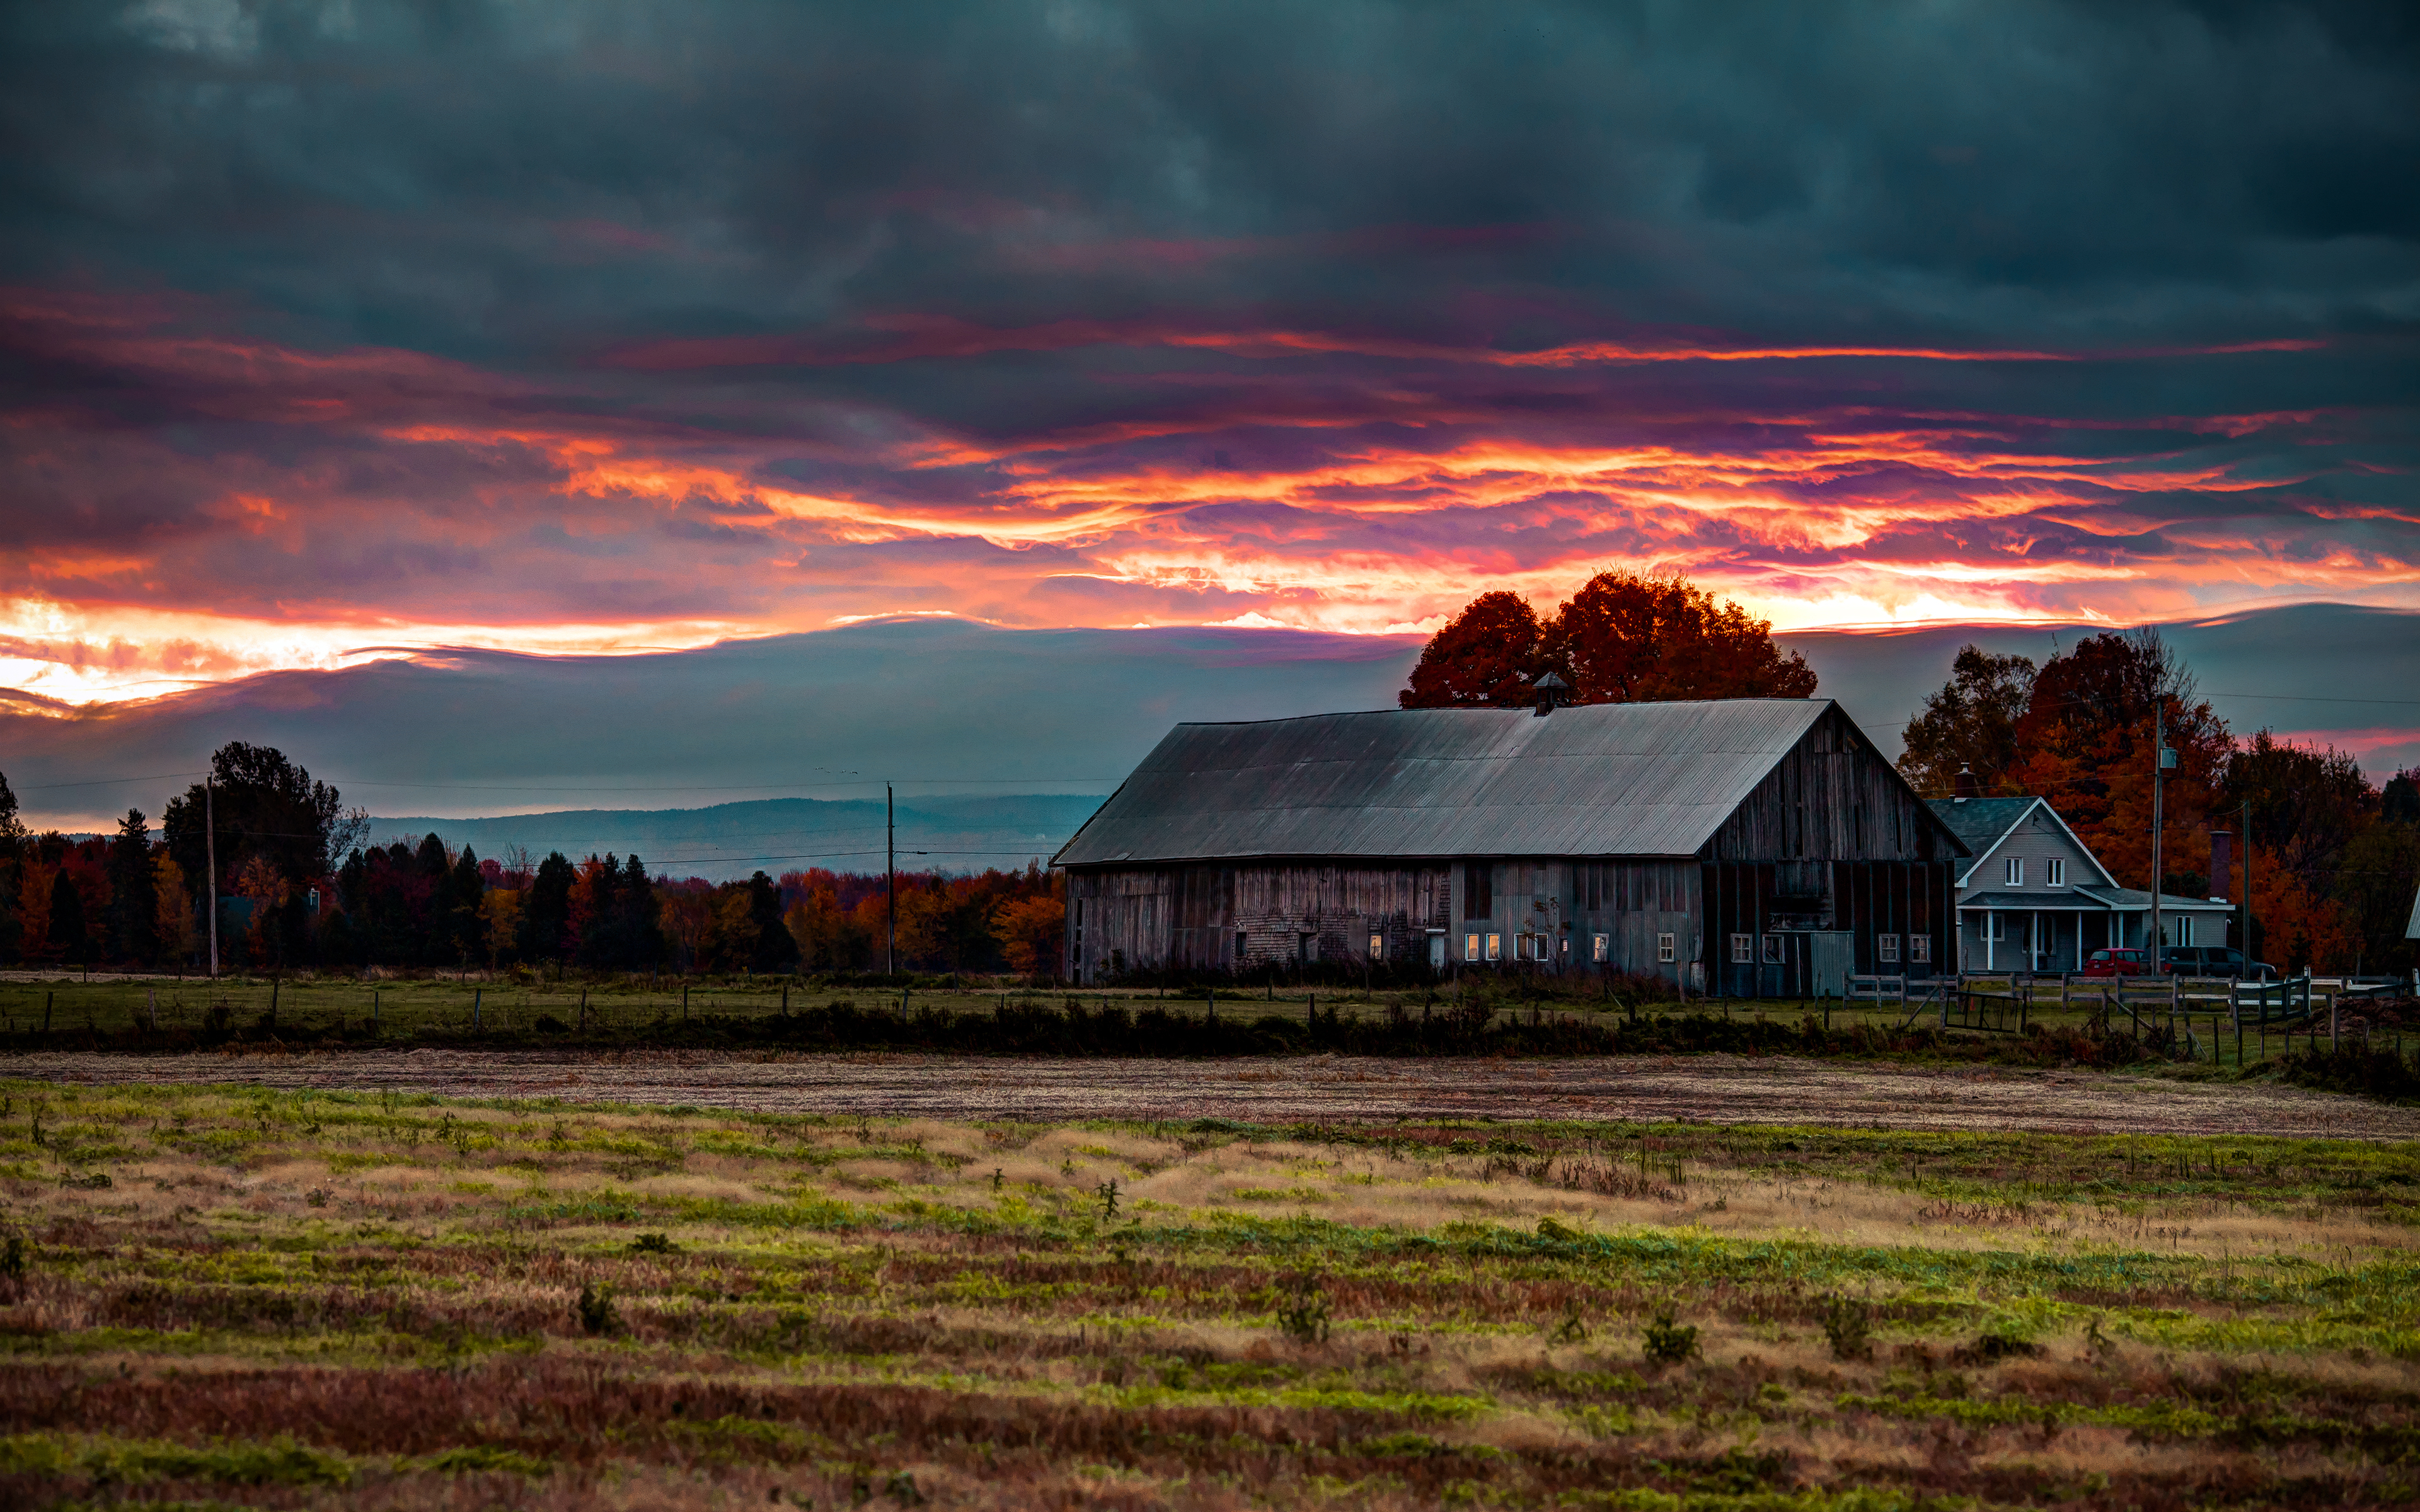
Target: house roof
{"type": "Point", "coordinates": [1597, 779]}
{"type": "Point", "coordinates": [2132, 899]}
{"type": "Point", "coordinates": [1979, 822]}
{"type": "Point", "coordinates": [2063, 901]}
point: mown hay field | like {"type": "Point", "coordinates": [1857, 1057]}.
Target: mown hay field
{"type": "Point", "coordinates": [246, 1297]}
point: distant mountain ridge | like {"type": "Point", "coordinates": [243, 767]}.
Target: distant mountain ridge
{"type": "Point", "coordinates": [944, 705]}
{"type": "Point", "coordinates": [724, 841]}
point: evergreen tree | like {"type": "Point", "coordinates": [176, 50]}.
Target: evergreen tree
{"type": "Point", "coordinates": [133, 892]}
{"type": "Point", "coordinates": [468, 887]}
{"type": "Point", "coordinates": [773, 949]}
{"type": "Point", "coordinates": [640, 914]}
{"type": "Point", "coordinates": [600, 914]}
{"type": "Point", "coordinates": [546, 913]}
{"type": "Point", "coordinates": [69, 939]}
{"type": "Point", "coordinates": [436, 921]}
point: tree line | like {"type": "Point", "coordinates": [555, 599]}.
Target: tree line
{"type": "Point", "coordinates": [299, 886]}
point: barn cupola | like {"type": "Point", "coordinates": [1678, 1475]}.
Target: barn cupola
{"type": "Point", "coordinates": [1550, 690]}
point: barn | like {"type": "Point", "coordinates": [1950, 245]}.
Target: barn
{"type": "Point", "coordinates": [1758, 844]}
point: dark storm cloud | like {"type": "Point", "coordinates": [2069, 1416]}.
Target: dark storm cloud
{"type": "Point", "coordinates": [725, 318]}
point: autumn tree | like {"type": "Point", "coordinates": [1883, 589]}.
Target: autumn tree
{"type": "Point", "coordinates": [1628, 638]}
{"type": "Point", "coordinates": [2084, 744]}
{"type": "Point", "coordinates": [1485, 656]}
{"type": "Point", "coordinates": [1033, 933]}
{"type": "Point", "coordinates": [173, 909]}
{"type": "Point", "coordinates": [2307, 805]}
{"type": "Point", "coordinates": [134, 894]}
{"type": "Point", "coordinates": [1622, 638]}
{"type": "Point", "coordinates": [1970, 724]}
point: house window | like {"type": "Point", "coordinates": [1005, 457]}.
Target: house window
{"type": "Point", "coordinates": [2184, 930]}
{"type": "Point", "coordinates": [1663, 946]}
{"type": "Point", "coordinates": [2054, 873]}
{"type": "Point", "coordinates": [1773, 950]}
{"type": "Point", "coordinates": [1496, 947]}
{"type": "Point", "coordinates": [1742, 949]}
{"type": "Point", "coordinates": [1887, 947]}
{"type": "Point", "coordinates": [1377, 948]}
{"type": "Point", "coordinates": [1471, 948]}
{"type": "Point", "coordinates": [1919, 950]}
{"type": "Point", "coordinates": [1600, 947]}
{"type": "Point", "coordinates": [2016, 872]}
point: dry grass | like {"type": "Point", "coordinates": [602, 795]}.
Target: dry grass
{"type": "Point", "coordinates": [299, 1300]}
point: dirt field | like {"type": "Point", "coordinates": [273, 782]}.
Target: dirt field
{"type": "Point", "coordinates": [1711, 1089]}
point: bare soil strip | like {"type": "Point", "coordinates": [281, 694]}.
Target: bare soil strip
{"type": "Point", "coordinates": [1708, 1088]}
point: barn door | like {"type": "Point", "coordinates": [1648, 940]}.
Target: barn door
{"type": "Point", "coordinates": [1831, 953]}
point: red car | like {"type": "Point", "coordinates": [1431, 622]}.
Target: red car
{"type": "Point", "coordinates": [2120, 960]}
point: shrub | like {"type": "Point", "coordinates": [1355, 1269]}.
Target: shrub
{"type": "Point", "coordinates": [595, 1308]}
{"type": "Point", "coordinates": [654, 1244]}
{"type": "Point", "coordinates": [1848, 1325]}
{"type": "Point", "coordinates": [1669, 1343]}
{"type": "Point", "coordinates": [1303, 1315]}
{"type": "Point", "coordinates": [549, 1023]}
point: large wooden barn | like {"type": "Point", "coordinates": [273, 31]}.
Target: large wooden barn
{"type": "Point", "coordinates": [1760, 845]}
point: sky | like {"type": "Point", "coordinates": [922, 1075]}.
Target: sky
{"type": "Point", "coordinates": [330, 330]}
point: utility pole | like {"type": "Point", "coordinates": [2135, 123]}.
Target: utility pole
{"type": "Point", "coordinates": [889, 884]}
{"type": "Point", "coordinates": [210, 850]}
{"type": "Point", "coordinates": [2244, 884]}
{"type": "Point", "coordinates": [2159, 775]}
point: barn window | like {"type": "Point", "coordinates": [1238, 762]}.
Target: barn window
{"type": "Point", "coordinates": [1478, 889]}
{"type": "Point", "coordinates": [1496, 947]}
{"type": "Point", "coordinates": [1306, 947]}
{"type": "Point", "coordinates": [1243, 944]}
{"type": "Point", "coordinates": [1471, 948]}
{"type": "Point", "coordinates": [1600, 947]}
{"type": "Point", "coordinates": [1920, 949]}
{"type": "Point", "coordinates": [1377, 948]}
{"type": "Point", "coordinates": [1773, 950]}
{"type": "Point", "coordinates": [1887, 947]}
{"type": "Point", "coordinates": [1663, 946]}
{"type": "Point", "coordinates": [1742, 949]}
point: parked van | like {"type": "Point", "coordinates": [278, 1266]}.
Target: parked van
{"type": "Point", "coordinates": [2214, 961]}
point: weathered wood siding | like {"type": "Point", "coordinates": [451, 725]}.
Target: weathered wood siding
{"type": "Point", "coordinates": [1219, 917]}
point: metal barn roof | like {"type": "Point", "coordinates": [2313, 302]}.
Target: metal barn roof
{"type": "Point", "coordinates": [1597, 779]}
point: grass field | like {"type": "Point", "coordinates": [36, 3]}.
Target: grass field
{"type": "Point", "coordinates": [239, 1298]}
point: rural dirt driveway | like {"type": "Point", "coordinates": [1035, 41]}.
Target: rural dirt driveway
{"type": "Point", "coordinates": [1711, 1089]}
